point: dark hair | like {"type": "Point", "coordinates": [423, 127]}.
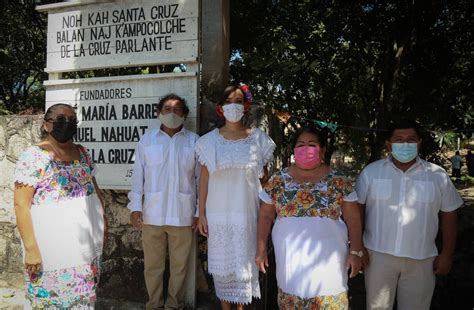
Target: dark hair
{"type": "Point", "coordinates": [50, 112]}
{"type": "Point", "coordinates": [227, 91]}
{"type": "Point", "coordinates": [403, 124]}
{"type": "Point", "coordinates": [173, 96]}
{"type": "Point", "coordinates": [312, 129]}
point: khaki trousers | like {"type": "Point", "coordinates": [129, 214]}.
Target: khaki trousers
{"type": "Point", "coordinates": [412, 280]}
{"type": "Point", "coordinates": [156, 240]}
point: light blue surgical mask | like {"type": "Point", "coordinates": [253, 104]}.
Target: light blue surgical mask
{"type": "Point", "coordinates": [404, 152]}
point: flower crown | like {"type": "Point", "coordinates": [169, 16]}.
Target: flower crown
{"type": "Point", "coordinates": [247, 94]}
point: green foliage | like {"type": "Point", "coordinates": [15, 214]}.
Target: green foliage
{"type": "Point", "coordinates": [358, 63]}
{"type": "Point", "coordinates": [467, 179]}
{"type": "Point", "coordinates": [22, 55]}
{"type": "Point", "coordinates": [448, 138]}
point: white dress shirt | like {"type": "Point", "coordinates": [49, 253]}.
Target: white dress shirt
{"type": "Point", "coordinates": [165, 174]}
{"type": "Point", "coordinates": [401, 213]}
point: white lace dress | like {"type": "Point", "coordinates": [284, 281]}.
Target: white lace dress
{"type": "Point", "coordinates": [235, 167]}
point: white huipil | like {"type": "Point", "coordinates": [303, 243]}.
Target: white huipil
{"type": "Point", "coordinates": [67, 219]}
{"type": "Point", "coordinates": [235, 167]}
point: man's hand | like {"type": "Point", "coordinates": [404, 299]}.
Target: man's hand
{"type": "Point", "coordinates": [442, 264]}
{"type": "Point", "coordinates": [136, 218]}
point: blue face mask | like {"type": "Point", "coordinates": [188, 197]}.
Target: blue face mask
{"type": "Point", "coordinates": [404, 152]}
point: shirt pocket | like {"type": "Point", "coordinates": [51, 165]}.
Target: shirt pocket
{"type": "Point", "coordinates": [154, 155]}
{"type": "Point", "coordinates": [422, 192]}
{"type": "Point", "coordinates": [381, 189]}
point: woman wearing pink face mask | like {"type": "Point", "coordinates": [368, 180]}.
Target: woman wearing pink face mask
{"type": "Point", "coordinates": [310, 238]}
{"type": "Point", "coordinates": [233, 159]}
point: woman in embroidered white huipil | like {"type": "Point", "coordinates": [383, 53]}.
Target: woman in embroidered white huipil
{"type": "Point", "coordinates": [60, 217]}
{"type": "Point", "coordinates": [233, 159]}
{"type": "Point", "coordinates": [309, 236]}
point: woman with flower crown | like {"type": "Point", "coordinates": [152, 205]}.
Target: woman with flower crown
{"type": "Point", "coordinates": [233, 160]}
{"type": "Point", "coordinates": [316, 215]}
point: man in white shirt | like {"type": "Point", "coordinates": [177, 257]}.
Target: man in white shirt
{"type": "Point", "coordinates": [163, 200]}
{"type": "Point", "coordinates": [403, 196]}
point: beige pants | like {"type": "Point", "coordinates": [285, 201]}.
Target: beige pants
{"type": "Point", "coordinates": [156, 239]}
{"type": "Point", "coordinates": [412, 280]}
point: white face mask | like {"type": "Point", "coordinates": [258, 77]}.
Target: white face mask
{"type": "Point", "coordinates": [233, 112]}
{"type": "Point", "coordinates": [171, 120]}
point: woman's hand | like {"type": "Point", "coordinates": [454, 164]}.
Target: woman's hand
{"type": "Point", "coordinates": [33, 261]}
{"type": "Point", "coordinates": [202, 225]}
{"type": "Point", "coordinates": [266, 216]}
{"type": "Point", "coordinates": [22, 199]}
{"type": "Point", "coordinates": [354, 264]}
{"type": "Point", "coordinates": [261, 259]}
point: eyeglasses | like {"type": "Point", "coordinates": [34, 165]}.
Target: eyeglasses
{"type": "Point", "coordinates": [62, 119]}
{"type": "Point", "coordinates": [176, 110]}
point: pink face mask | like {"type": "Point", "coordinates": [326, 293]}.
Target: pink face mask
{"type": "Point", "coordinates": [307, 157]}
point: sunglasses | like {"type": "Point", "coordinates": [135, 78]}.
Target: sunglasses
{"type": "Point", "coordinates": [63, 119]}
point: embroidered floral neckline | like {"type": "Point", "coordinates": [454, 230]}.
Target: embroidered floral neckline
{"type": "Point", "coordinates": [249, 136]}
{"type": "Point", "coordinates": [322, 180]}
{"type": "Point", "coordinates": [63, 162]}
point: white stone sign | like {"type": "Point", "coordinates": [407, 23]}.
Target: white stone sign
{"type": "Point", "coordinates": [114, 112]}
{"type": "Point", "coordinates": [121, 33]}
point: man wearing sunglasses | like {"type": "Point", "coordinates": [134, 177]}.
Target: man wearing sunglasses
{"type": "Point", "coordinates": [163, 200]}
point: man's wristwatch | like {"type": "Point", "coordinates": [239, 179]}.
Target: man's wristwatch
{"type": "Point", "coordinates": [357, 253]}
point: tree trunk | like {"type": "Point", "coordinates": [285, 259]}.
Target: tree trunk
{"type": "Point", "coordinates": [395, 50]}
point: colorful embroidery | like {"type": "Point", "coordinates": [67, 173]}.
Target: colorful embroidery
{"type": "Point", "coordinates": [331, 302]}
{"type": "Point", "coordinates": [55, 180]}
{"type": "Point", "coordinates": [323, 199]}
{"type": "Point", "coordinates": [63, 288]}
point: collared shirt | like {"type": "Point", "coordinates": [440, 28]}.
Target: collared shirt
{"type": "Point", "coordinates": [401, 208]}
{"type": "Point", "coordinates": [164, 181]}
